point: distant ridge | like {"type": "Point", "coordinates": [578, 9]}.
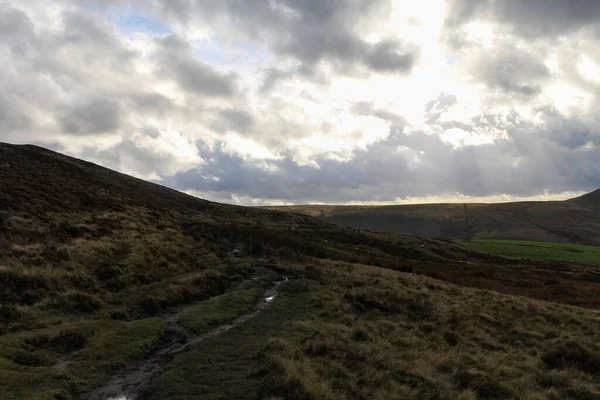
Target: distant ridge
{"type": "Point", "coordinates": [591, 199]}
{"type": "Point", "coordinates": [576, 220]}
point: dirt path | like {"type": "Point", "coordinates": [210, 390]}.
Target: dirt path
{"type": "Point", "coordinates": [131, 381]}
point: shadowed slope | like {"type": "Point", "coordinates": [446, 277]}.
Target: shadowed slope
{"type": "Point", "coordinates": [576, 220]}
{"type": "Point", "coordinates": [94, 263]}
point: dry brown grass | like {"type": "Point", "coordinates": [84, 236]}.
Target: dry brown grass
{"type": "Point", "coordinates": [376, 333]}
{"type": "Point", "coordinates": [82, 247]}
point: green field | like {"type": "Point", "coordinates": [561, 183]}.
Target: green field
{"type": "Point", "coordinates": [532, 250]}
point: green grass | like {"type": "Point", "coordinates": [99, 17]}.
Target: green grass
{"type": "Point", "coordinates": [202, 317]}
{"type": "Point", "coordinates": [532, 250]}
{"type": "Point", "coordinates": [90, 249]}
{"type": "Point", "coordinates": [105, 346]}
{"type": "Point", "coordinates": [234, 364]}
{"type": "Point", "coordinates": [372, 333]}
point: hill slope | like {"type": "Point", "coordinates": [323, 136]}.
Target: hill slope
{"type": "Point", "coordinates": [90, 256]}
{"type": "Point", "coordinates": [102, 273]}
{"type": "Point", "coordinates": [576, 220]}
{"type": "Point", "coordinates": [589, 200]}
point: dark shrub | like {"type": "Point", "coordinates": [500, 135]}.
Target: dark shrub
{"type": "Point", "coordinates": [427, 327]}
{"type": "Point", "coordinates": [404, 268]}
{"type": "Point", "coordinates": [55, 255]}
{"type": "Point", "coordinates": [451, 338]}
{"type": "Point", "coordinates": [317, 348]}
{"type": "Point", "coordinates": [80, 281]}
{"type": "Point", "coordinates": [76, 301]}
{"type": "Point", "coordinates": [149, 305]}
{"type": "Point", "coordinates": [30, 358]}
{"type": "Point", "coordinates": [287, 253]}
{"type": "Point", "coordinates": [64, 342]}
{"type": "Point", "coordinates": [77, 231]}
{"type": "Point", "coordinates": [573, 355]}
{"type": "Point", "coordinates": [388, 302]}
{"type": "Point", "coordinates": [31, 296]}
{"type": "Point", "coordinates": [485, 386]}
{"type": "Point", "coordinates": [68, 341]}
{"type": "Point", "coordinates": [38, 341]}
{"type": "Point", "coordinates": [119, 315]}
{"type": "Point", "coordinates": [314, 274]}
{"type": "Point", "coordinates": [256, 248]}
{"type": "Point", "coordinates": [22, 288]}
{"type": "Point", "coordinates": [360, 335]}
{"type": "Point", "coordinates": [9, 313]}
{"type": "Point", "coordinates": [110, 276]}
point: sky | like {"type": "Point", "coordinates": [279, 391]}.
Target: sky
{"type": "Point", "coordinates": [266, 102]}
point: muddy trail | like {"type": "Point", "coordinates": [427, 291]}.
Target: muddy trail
{"type": "Point", "coordinates": [130, 382]}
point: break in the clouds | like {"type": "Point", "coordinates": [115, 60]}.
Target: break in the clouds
{"type": "Point", "coordinates": [338, 101]}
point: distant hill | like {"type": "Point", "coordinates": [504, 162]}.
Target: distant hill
{"type": "Point", "coordinates": [590, 200]}
{"type": "Point", "coordinates": [576, 220]}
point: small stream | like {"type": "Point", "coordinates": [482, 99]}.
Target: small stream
{"type": "Point", "coordinates": [130, 382]}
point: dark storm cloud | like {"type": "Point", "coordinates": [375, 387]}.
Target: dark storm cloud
{"type": "Point", "coordinates": [240, 121]}
{"type": "Point", "coordinates": [367, 109]}
{"type": "Point", "coordinates": [153, 102]}
{"type": "Point", "coordinates": [11, 117]}
{"type": "Point", "coordinates": [272, 77]}
{"type": "Point", "coordinates": [144, 157]}
{"type": "Point", "coordinates": [95, 115]}
{"type": "Point", "coordinates": [290, 181]}
{"type": "Point", "coordinates": [198, 77]}
{"type": "Point", "coordinates": [511, 70]}
{"type": "Point", "coordinates": [86, 39]}
{"type": "Point", "coordinates": [46, 75]}
{"type": "Point", "coordinates": [177, 61]}
{"type": "Point", "coordinates": [435, 108]}
{"type": "Point", "coordinates": [569, 133]}
{"type": "Point", "coordinates": [151, 131]}
{"type": "Point", "coordinates": [533, 158]}
{"type": "Point", "coordinates": [309, 31]}
{"type": "Point", "coordinates": [530, 18]}
{"type": "Point", "coordinates": [16, 30]}
{"type": "Point", "coordinates": [390, 55]}
{"type": "Point", "coordinates": [84, 73]}
{"type": "Point", "coordinates": [84, 29]}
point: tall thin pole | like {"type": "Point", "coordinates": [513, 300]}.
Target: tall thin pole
{"type": "Point", "coordinates": [467, 228]}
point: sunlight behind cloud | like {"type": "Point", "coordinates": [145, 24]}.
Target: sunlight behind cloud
{"type": "Point", "coordinates": [589, 69]}
{"type": "Point", "coordinates": [363, 99]}
{"type": "Point", "coordinates": [458, 137]}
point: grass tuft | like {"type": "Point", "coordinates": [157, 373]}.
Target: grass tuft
{"type": "Point", "coordinates": [202, 317]}
{"type": "Point", "coordinates": [573, 355]}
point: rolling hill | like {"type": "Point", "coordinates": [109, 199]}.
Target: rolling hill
{"type": "Point", "coordinates": [576, 220]}
{"type": "Point", "coordinates": [112, 287]}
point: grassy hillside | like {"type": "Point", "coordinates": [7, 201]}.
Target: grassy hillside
{"type": "Point", "coordinates": [575, 253]}
{"type": "Point", "coordinates": [89, 257]}
{"type": "Point", "coordinates": [379, 334]}
{"type": "Point", "coordinates": [575, 221]}
{"type": "Point", "coordinates": [99, 271]}
{"type": "Point", "coordinates": [361, 332]}
{"type": "Point", "coordinates": [589, 200]}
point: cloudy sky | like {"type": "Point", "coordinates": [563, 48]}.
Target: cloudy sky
{"type": "Point", "coordinates": [295, 101]}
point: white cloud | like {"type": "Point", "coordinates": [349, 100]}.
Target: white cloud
{"type": "Point", "coordinates": [289, 100]}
